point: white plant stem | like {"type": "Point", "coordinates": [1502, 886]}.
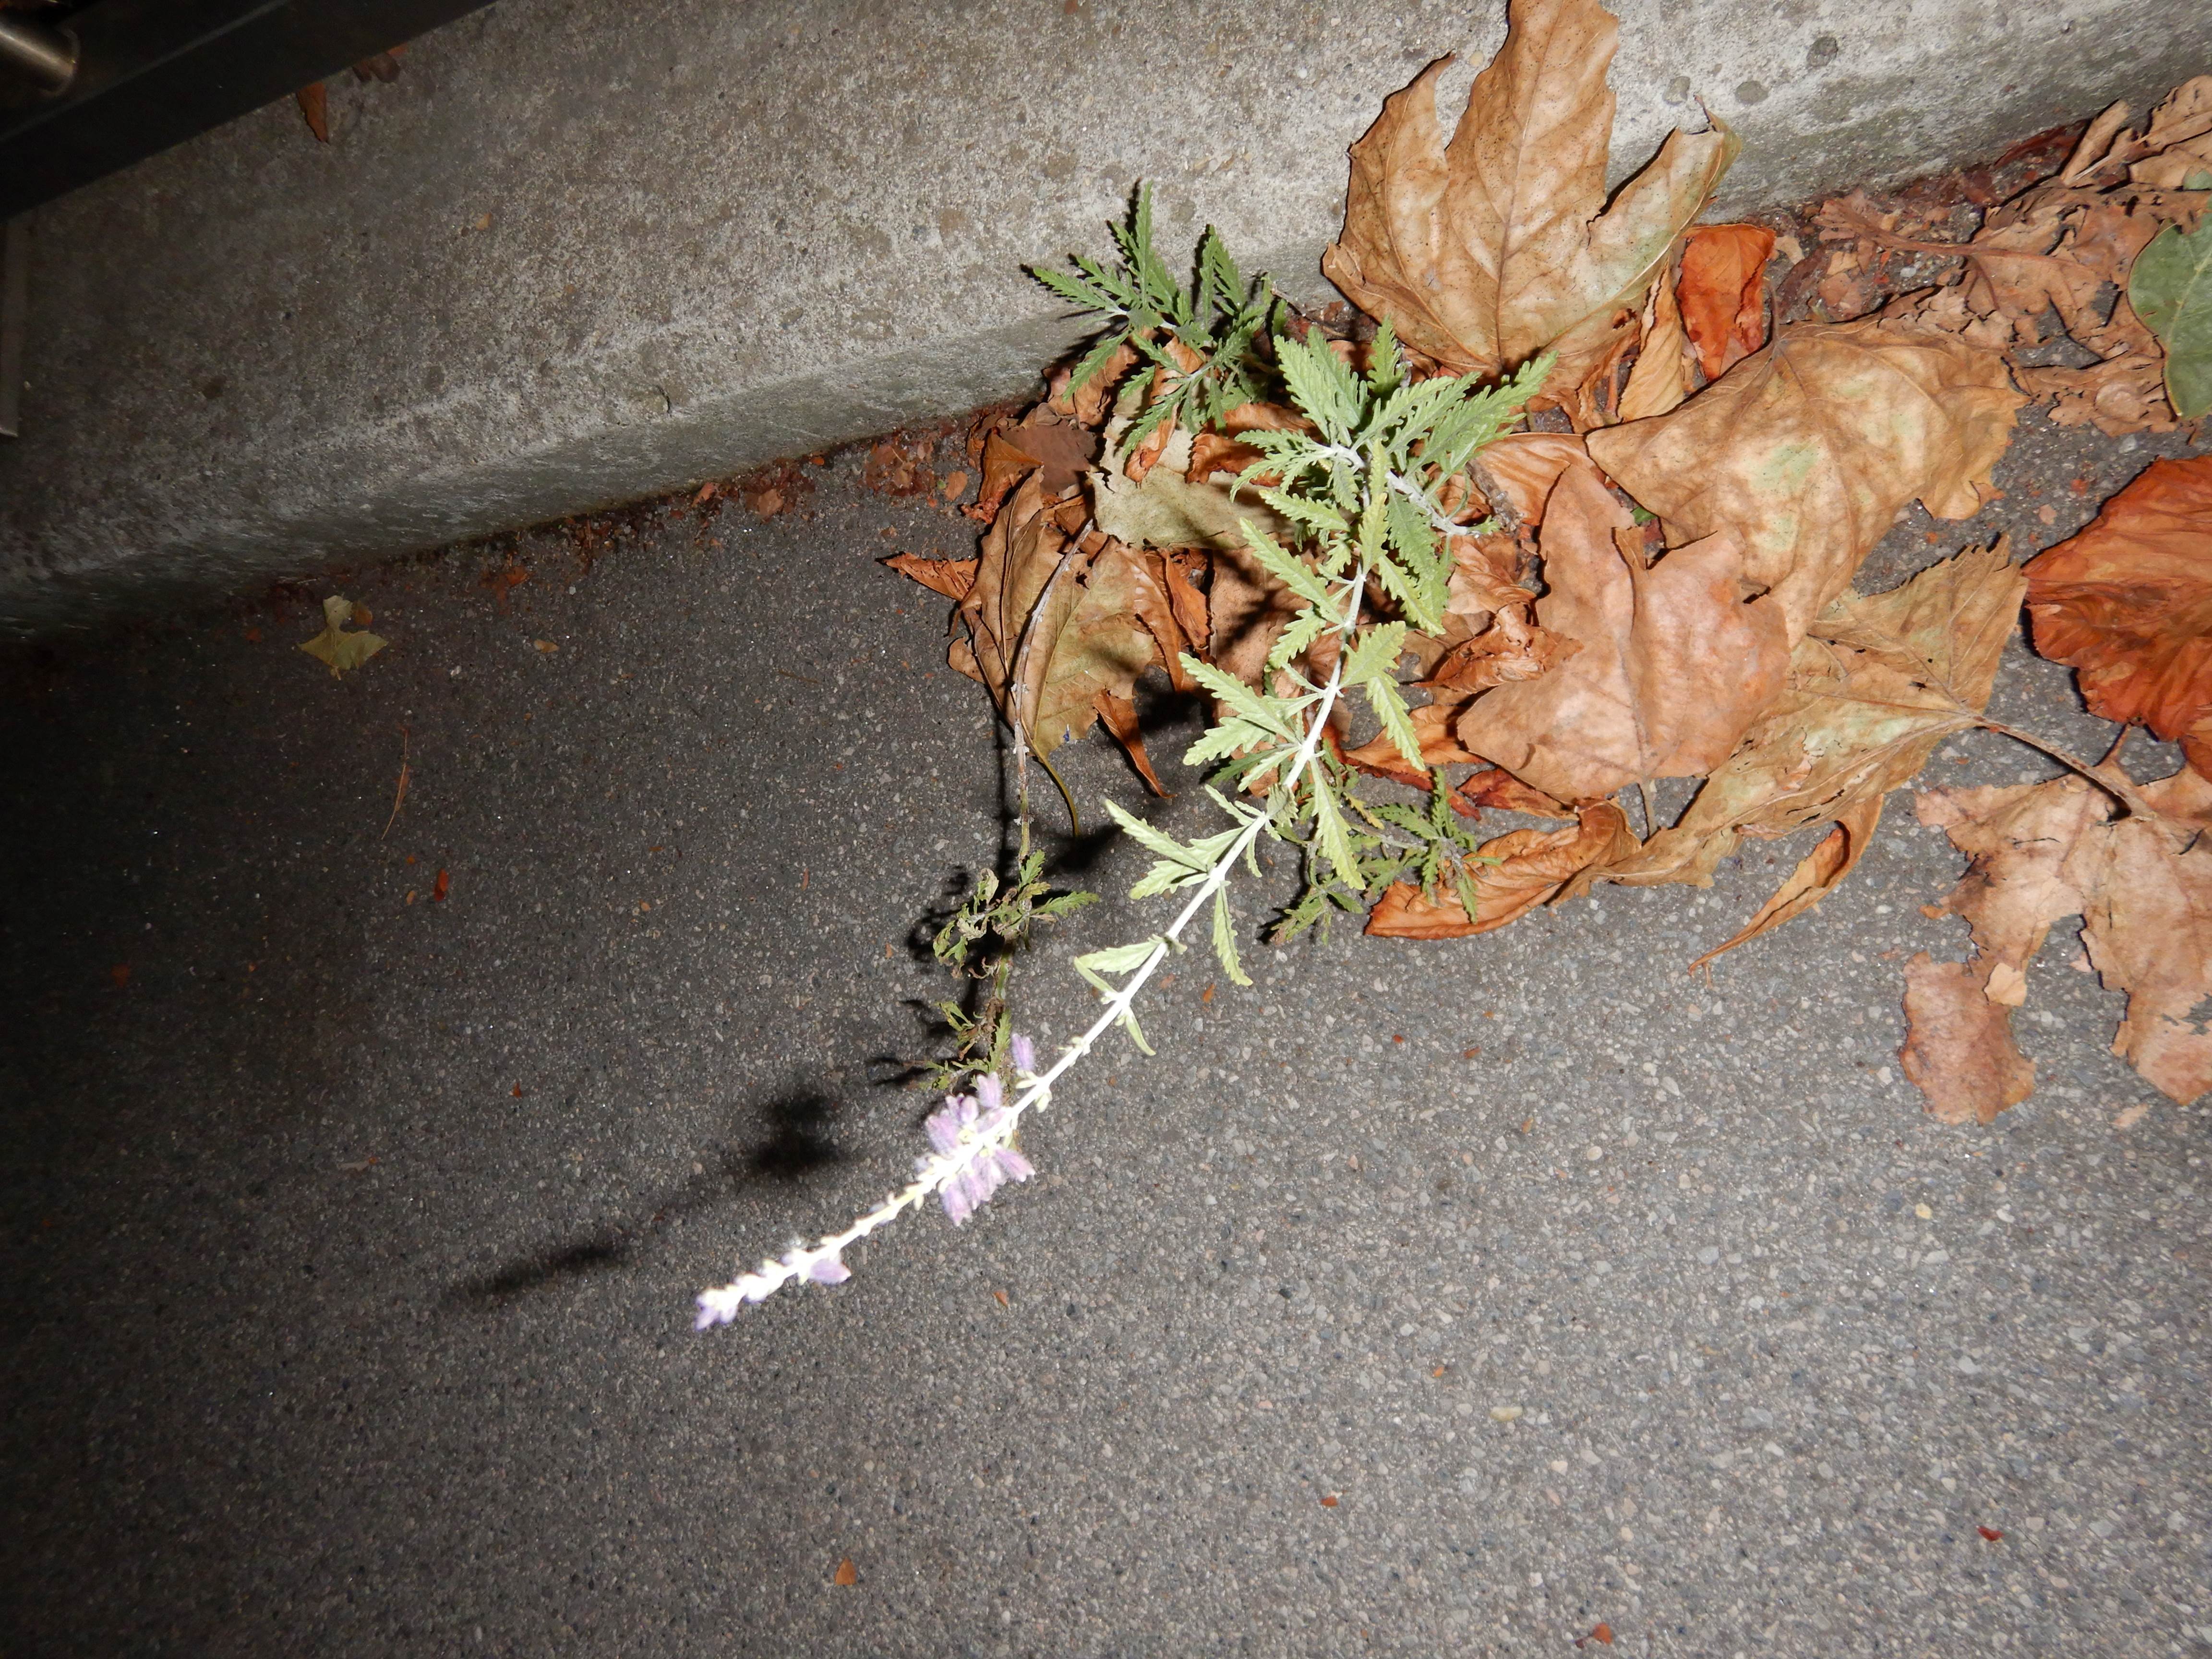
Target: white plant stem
{"type": "Point", "coordinates": [994, 1131]}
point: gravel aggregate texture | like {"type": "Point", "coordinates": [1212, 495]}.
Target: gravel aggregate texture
{"type": "Point", "coordinates": [1421, 1300]}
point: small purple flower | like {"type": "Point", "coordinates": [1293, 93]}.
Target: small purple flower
{"type": "Point", "coordinates": [719, 1307]}
{"type": "Point", "coordinates": [988, 1168]}
{"type": "Point", "coordinates": [1025, 1056]}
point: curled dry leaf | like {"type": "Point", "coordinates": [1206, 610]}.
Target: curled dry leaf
{"type": "Point", "coordinates": [2127, 604]}
{"type": "Point", "coordinates": [2142, 884]}
{"type": "Point", "coordinates": [950, 577]}
{"type": "Point", "coordinates": [1871, 691]}
{"type": "Point", "coordinates": [1518, 471]}
{"type": "Point", "coordinates": [1484, 251]}
{"type": "Point", "coordinates": [1722, 290]}
{"type": "Point", "coordinates": [1676, 661]}
{"type": "Point", "coordinates": [1533, 867]}
{"type": "Point", "coordinates": [1808, 449]}
{"type": "Point", "coordinates": [1958, 1048]}
{"type": "Point", "coordinates": [1661, 379]}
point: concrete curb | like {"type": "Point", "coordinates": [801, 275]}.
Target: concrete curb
{"type": "Point", "coordinates": [581, 254]}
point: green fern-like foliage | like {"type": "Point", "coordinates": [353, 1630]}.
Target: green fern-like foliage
{"type": "Point", "coordinates": [1363, 495]}
{"type": "Point", "coordinates": [1219, 321]}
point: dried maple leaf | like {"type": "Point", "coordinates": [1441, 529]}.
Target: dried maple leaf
{"type": "Point", "coordinates": [2127, 604]}
{"type": "Point", "coordinates": [950, 577]}
{"type": "Point", "coordinates": [1958, 1048]}
{"type": "Point", "coordinates": [1004, 464]}
{"type": "Point", "coordinates": [1871, 691]}
{"type": "Point", "coordinates": [1533, 867]}
{"type": "Point", "coordinates": [1723, 293]}
{"type": "Point", "coordinates": [1808, 449]}
{"type": "Point", "coordinates": [1051, 630]}
{"type": "Point", "coordinates": [2142, 884]}
{"type": "Point", "coordinates": [1484, 251]}
{"type": "Point", "coordinates": [337, 648]}
{"type": "Point", "coordinates": [1677, 661]}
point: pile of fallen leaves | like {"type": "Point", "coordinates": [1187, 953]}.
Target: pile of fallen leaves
{"type": "Point", "coordinates": [1655, 578]}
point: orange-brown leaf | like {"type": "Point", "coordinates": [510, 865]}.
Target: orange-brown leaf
{"type": "Point", "coordinates": [1004, 465]}
{"type": "Point", "coordinates": [1677, 661]}
{"type": "Point", "coordinates": [2127, 604]}
{"type": "Point", "coordinates": [1723, 293]}
{"type": "Point", "coordinates": [846, 1573]}
{"type": "Point", "coordinates": [1816, 877]}
{"type": "Point", "coordinates": [2143, 886]}
{"type": "Point", "coordinates": [1534, 865]}
{"type": "Point", "coordinates": [1958, 1048]}
{"type": "Point", "coordinates": [1661, 379]}
{"type": "Point", "coordinates": [1808, 449]}
{"type": "Point", "coordinates": [950, 577]}
{"type": "Point", "coordinates": [314, 103]}
{"type": "Point", "coordinates": [1119, 714]}
{"type": "Point", "coordinates": [1483, 252]}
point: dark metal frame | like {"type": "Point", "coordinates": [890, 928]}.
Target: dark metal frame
{"type": "Point", "coordinates": [153, 73]}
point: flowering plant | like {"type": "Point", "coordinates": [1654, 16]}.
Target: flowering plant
{"type": "Point", "coordinates": [1371, 484]}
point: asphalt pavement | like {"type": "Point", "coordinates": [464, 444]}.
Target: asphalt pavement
{"type": "Point", "coordinates": [359, 1170]}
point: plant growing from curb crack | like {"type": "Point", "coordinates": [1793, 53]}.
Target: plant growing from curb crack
{"type": "Point", "coordinates": [1363, 492]}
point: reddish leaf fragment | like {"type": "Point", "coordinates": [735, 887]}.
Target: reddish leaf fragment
{"type": "Point", "coordinates": [438, 888]}
{"type": "Point", "coordinates": [1723, 293]}
{"type": "Point", "coordinates": [846, 1573]}
{"type": "Point", "coordinates": [120, 974]}
{"type": "Point", "coordinates": [1991, 1533]}
{"type": "Point", "coordinates": [2127, 604]}
{"type": "Point", "coordinates": [1328, 1501]}
{"type": "Point", "coordinates": [315, 107]}
{"type": "Point", "coordinates": [1120, 714]}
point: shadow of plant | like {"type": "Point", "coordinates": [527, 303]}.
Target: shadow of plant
{"type": "Point", "coordinates": [798, 1142]}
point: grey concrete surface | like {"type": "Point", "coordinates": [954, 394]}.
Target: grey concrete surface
{"type": "Point", "coordinates": [351, 1240]}
{"type": "Point", "coordinates": [582, 252]}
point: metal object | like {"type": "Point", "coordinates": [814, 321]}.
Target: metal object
{"type": "Point", "coordinates": [153, 73]}
{"type": "Point", "coordinates": [47, 56]}
{"type": "Point", "coordinates": [14, 320]}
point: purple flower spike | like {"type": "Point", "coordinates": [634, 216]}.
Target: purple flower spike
{"type": "Point", "coordinates": [1024, 1055]}
{"type": "Point", "coordinates": [986, 1170]}
{"type": "Point", "coordinates": [990, 1093]}
{"type": "Point", "coordinates": [830, 1271]}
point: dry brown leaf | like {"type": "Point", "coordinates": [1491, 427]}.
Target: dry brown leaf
{"type": "Point", "coordinates": [1958, 1048]}
{"type": "Point", "coordinates": [1816, 876]}
{"type": "Point", "coordinates": [1004, 465]}
{"type": "Point", "coordinates": [1119, 715]}
{"type": "Point", "coordinates": [314, 103]}
{"type": "Point", "coordinates": [1722, 290]}
{"type": "Point", "coordinates": [1534, 865]}
{"type": "Point", "coordinates": [1063, 448]}
{"type": "Point", "coordinates": [1433, 724]}
{"type": "Point", "coordinates": [1518, 471]}
{"type": "Point", "coordinates": [2127, 604]}
{"type": "Point", "coordinates": [1490, 574]}
{"type": "Point", "coordinates": [1484, 251]}
{"type": "Point", "coordinates": [1871, 692]}
{"type": "Point", "coordinates": [1494, 786]}
{"type": "Point", "coordinates": [2143, 886]}
{"type": "Point", "coordinates": [1098, 650]}
{"type": "Point", "coordinates": [1808, 449]}
{"type": "Point", "coordinates": [1661, 379]}
{"type": "Point", "coordinates": [1675, 662]}
{"type": "Point", "coordinates": [950, 577]}
{"type": "Point", "coordinates": [1156, 606]}
{"type": "Point", "coordinates": [846, 1574]}
{"type": "Point", "coordinates": [1090, 405]}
